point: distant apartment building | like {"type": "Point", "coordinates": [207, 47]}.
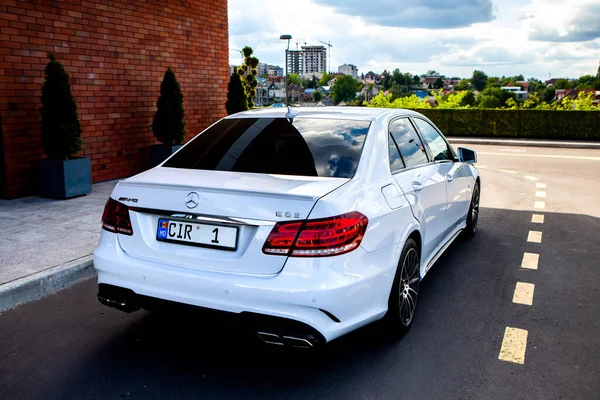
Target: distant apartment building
{"type": "Point", "coordinates": [348, 69]}
{"type": "Point", "coordinates": [269, 70]}
{"type": "Point", "coordinates": [314, 60]}
{"type": "Point", "coordinates": [294, 62]}
{"type": "Point", "coordinates": [275, 70]}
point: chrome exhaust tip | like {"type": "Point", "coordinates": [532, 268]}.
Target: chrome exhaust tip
{"type": "Point", "coordinates": [298, 342]}
{"type": "Point", "coordinates": [270, 338]}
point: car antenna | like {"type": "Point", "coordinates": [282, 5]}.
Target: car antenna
{"type": "Point", "coordinates": [290, 114]}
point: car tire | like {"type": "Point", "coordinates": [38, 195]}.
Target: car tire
{"type": "Point", "coordinates": [473, 215]}
{"type": "Point", "coordinates": [402, 303]}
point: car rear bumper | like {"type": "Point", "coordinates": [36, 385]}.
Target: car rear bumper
{"type": "Point", "coordinates": [323, 298]}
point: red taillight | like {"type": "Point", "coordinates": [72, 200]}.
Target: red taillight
{"type": "Point", "coordinates": [317, 237]}
{"type": "Point", "coordinates": [116, 218]}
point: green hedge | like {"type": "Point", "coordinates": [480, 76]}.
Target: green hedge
{"type": "Point", "coordinates": [530, 124]}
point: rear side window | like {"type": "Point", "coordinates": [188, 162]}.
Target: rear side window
{"type": "Point", "coordinates": [409, 144]}
{"type": "Point", "coordinates": [437, 144]}
{"type": "Point", "coordinates": [306, 147]}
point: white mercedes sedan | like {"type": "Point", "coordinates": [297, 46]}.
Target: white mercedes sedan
{"type": "Point", "coordinates": [299, 224]}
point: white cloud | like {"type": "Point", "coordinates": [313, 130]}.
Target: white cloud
{"type": "Point", "coordinates": [503, 45]}
{"type": "Point", "coordinates": [565, 21]}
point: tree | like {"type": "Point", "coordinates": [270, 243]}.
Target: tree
{"type": "Point", "coordinates": [468, 99]}
{"type": "Point", "coordinates": [325, 78]}
{"type": "Point", "coordinates": [588, 82]}
{"type": "Point", "coordinates": [398, 77]}
{"type": "Point", "coordinates": [563, 84]}
{"type": "Point", "coordinates": [344, 89]}
{"type": "Point", "coordinates": [548, 94]}
{"type": "Point", "coordinates": [462, 85]}
{"type": "Point", "coordinates": [317, 96]}
{"type": "Point", "coordinates": [168, 124]}
{"type": "Point", "coordinates": [61, 131]}
{"type": "Point", "coordinates": [248, 73]}
{"type": "Point", "coordinates": [493, 82]}
{"type": "Point", "coordinates": [432, 72]}
{"type": "Point", "coordinates": [479, 80]}
{"type": "Point", "coordinates": [416, 79]}
{"type": "Point", "coordinates": [438, 84]}
{"type": "Point", "coordinates": [387, 80]}
{"type": "Point", "coordinates": [488, 101]}
{"type": "Point", "coordinates": [237, 100]}
{"type": "Point", "coordinates": [396, 91]}
{"type": "Point", "coordinates": [598, 73]}
{"type": "Point", "coordinates": [294, 79]}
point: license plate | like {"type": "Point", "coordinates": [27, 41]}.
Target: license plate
{"type": "Point", "coordinates": [197, 234]}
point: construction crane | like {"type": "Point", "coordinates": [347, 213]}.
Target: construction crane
{"type": "Point", "coordinates": [328, 44]}
{"type": "Point", "coordinates": [241, 53]}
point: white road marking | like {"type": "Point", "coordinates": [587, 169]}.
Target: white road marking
{"type": "Point", "coordinates": [540, 185]}
{"type": "Point", "coordinates": [590, 158]}
{"type": "Point", "coordinates": [530, 261]}
{"type": "Point", "coordinates": [539, 205]}
{"type": "Point", "coordinates": [537, 218]}
{"type": "Point", "coordinates": [534, 237]}
{"type": "Point", "coordinates": [540, 194]}
{"type": "Point", "coordinates": [514, 344]}
{"type": "Point", "coordinates": [507, 171]}
{"type": "Point", "coordinates": [481, 166]}
{"type": "Point", "coordinates": [524, 293]}
{"type": "Point", "coordinates": [531, 178]}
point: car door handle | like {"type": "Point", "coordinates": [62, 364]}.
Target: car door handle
{"type": "Point", "coordinates": [418, 186]}
{"type": "Point", "coordinates": [449, 178]}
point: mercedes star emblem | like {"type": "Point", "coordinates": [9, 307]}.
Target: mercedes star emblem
{"type": "Point", "coordinates": [192, 200]}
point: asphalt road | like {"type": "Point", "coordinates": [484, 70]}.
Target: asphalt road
{"type": "Point", "coordinates": [67, 346]}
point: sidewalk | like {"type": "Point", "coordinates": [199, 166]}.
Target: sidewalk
{"type": "Point", "coordinates": [47, 244]}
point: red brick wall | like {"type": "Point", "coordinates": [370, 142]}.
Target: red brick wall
{"type": "Point", "coordinates": [116, 53]}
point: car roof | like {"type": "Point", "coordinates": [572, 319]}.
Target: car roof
{"type": "Point", "coordinates": [350, 113]}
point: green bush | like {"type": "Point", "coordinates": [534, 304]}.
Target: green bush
{"type": "Point", "coordinates": [168, 124]}
{"type": "Point", "coordinates": [61, 131]}
{"type": "Point", "coordinates": [517, 124]}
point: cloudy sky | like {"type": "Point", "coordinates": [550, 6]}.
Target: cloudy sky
{"type": "Point", "coordinates": [502, 37]}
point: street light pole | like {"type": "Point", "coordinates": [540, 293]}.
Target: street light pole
{"type": "Point", "coordinates": [288, 38]}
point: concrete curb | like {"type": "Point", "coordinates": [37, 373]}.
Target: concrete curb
{"type": "Point", "coordinates": [527, 143]}
{"type": "Point", "coordinates": [32, 287]}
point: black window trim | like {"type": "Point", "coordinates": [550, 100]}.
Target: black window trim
{"type": "Point", "coordinates": [427, 152]}
{"type": "Point", "coordinates": [454, 157]}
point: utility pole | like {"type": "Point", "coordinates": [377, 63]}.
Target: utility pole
{"type": "Point", "coordinates": [288, 38]}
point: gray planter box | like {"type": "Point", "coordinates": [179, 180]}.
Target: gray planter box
{"type": "Point", "coordinates": [63, 179]}
{"type": "Point", "coordinates": [160, 152]}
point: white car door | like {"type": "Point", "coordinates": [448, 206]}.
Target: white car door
{"type": "Point", "coordinates": [458, 180]}
{"type": "Point", "coordinates": [421, 183]}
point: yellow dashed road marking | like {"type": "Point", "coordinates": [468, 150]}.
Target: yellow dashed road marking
{"type": "Point", "coordinates": [523, 293]}
{"type": "Point", "coordinates": [539, 205]}
{"type": "Point", "coordinates": [537, 218]}
{"type": "Point", "coordinates": [534, 237]}
{"type": "Point", "coordinates": [531, 178]}
{"type": "Point", "coordinates": [514, 344]}
{"type": "Point", "coordinates": [530, 261]}
{"type": "Point", "coordinates": [540, 194]}
{"type": "Point", "coordinates": [540, 186]}
{"type": "Point", "coordinates": [541, 156]}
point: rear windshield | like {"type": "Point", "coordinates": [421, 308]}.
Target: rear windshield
{"type": "Point", "coordinates": [306, 147]}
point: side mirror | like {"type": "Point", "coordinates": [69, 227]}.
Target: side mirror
{"type": "Point", "coordinates": [467, 155]}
